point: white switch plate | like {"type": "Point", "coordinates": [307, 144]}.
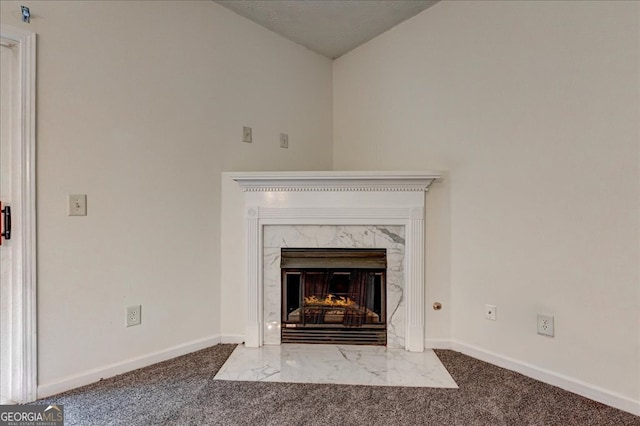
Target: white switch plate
{"type": "Point", "coordinates": [284, 140]}
{"type": "Point", "coordinates": [77, 204]}
{"type": "Point", "coordinates": [247, 134]}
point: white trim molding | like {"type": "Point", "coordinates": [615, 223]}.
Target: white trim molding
{"type": "Point", "coordinates": [24, 338]}
{"type": "Point", "coordinates": [236, 339]}
{"type": "Point", "coordinates": [342, 198]}
{"type": "Point", "coordinates": [97, 374]}
{"type": "Point", "coordinates": [553, 378]}
{"type": "Point", "coordinates": [335, 181]}
{"type": "Point", "coordinates": [431, 343]}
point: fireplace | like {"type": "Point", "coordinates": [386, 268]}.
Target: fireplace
{"type": "Point", "coordinates": [335, 210]}
{"type": "Point", "coordinates": [334, 296]}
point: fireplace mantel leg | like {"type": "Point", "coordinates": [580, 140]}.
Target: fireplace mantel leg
{"type": "Point", "coordinates": [415, 282]}
{"type": "Point", "coordinates": [253, 332]}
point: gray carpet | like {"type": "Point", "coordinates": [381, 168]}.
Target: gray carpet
{"type": "Point", "coordinates": [182, 392]}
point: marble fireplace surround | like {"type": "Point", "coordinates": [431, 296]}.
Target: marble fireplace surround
{"type": "Point", "coordinates": [389, 237]}
{"type": "Point", "coordinates": [384, 209]}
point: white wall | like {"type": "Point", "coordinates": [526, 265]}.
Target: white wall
{"type": "Point", "coordinates": [233, 308]}
{"type": "Point", "coordinates": [141, 106]}
{"type": "Point", "coordinates": [533, 109]}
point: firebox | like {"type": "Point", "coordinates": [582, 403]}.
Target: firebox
{"type": "Point", "coordinates": [334, 296]}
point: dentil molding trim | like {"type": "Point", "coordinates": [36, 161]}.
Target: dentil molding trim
{"type": "Point", "coordinates": [335, 181]}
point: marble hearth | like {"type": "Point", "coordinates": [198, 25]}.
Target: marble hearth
{"type": "Point", "coordinates": [336, 364]}
{"type": "Point", "coordinates": [336, 210]}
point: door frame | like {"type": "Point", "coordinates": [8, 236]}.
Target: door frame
{"type": "Point", "coordinates": [23, 287]}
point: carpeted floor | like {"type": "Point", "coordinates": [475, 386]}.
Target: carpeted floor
{"type": "Point", "coordinates": [182, 392]}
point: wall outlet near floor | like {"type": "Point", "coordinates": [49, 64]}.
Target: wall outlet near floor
{"type": "Point", "coordinates": [545, 325]}
{"type": "Point", "coordinates": [490, 312]}
{"type": "Point", "coordinates": [134, 315]}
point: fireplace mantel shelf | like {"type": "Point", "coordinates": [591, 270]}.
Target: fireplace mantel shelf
{"type": "Point", "coordinates": [335, 181]}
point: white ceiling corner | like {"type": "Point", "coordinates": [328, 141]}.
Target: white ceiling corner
{"type": "Point", "coordinates": [328, 27]}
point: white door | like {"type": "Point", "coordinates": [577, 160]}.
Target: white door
{"type": "Point", "coordinates": [17, 190]}
{"type": "Point", "coordinates": [6, 66]}
{"type": "Point", "coordinates": [7, 63]}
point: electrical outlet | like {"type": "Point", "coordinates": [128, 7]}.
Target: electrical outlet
{"type": "Point", "coordinates": [246, 134]}
{"type": "Point", "coordinates": [545, 325]}
{"type": "Point", "coordinates": [284, 140]}
{"type": "Point", "coordinates": [77, 204]}
{"type": "Point", "coordinates": [134, 315]}
{"type": "Point", "coordinates": [490, 312]}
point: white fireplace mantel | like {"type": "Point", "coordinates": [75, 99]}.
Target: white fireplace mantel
{"type": "Point", "coordinates": [336, 198]}
{"type": "Point", "coordinates": [335, 181]}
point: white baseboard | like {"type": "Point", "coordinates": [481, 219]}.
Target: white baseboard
{"type": "Point", "coordinates": [232, 338]}
{"type": "Point", "coordinates": [437, 344]}
{"type": "Point", "coordinates": [94, 375]}
{"type": "Point", "coordinates": [550, 377]}
{"type": "Point", "coordinates": [547, 376]}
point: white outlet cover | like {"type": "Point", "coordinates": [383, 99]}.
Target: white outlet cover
{"type": "Point", "coordinates": [546, 325]}
{"type": "Point", "coordinates": [490, 312]}
{"type": "Point", "coordinates": [77, 204]}
{"type": "Point", "coordinates": [134, 315]}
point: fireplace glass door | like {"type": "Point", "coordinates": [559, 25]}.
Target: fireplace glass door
{"type": "Point", "coordinates": [334, 296]}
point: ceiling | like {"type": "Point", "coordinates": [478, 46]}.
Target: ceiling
{"type": "Point", "coordinates": [328, 27]}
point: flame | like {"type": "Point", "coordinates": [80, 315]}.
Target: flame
{"type": "Point", "coordinates": [330, 300]}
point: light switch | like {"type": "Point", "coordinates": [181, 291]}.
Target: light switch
{"type": "Point", "coordinates": [284, 140]}
{"type": "Point", "coordinates": [77, 204]}
{"type": "Point", "coordinates": [246, 134]}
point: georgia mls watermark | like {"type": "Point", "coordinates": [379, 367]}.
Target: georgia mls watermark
{"type": "Point", "coordinates": [31, 415]}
